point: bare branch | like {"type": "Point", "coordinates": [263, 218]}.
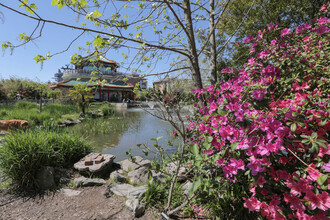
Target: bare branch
{"type": "Point", "coordinates": [98, 32]}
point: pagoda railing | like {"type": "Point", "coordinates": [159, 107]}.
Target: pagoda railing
{"type": "Point", "coordinates": [89, 72]}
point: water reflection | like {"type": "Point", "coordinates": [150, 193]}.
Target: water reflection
{"type": "Point", "coordinates": [124, 131]}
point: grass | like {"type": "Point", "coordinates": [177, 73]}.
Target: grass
{"type": "Point", "coordinates": [25, 152]}
{"type": "Point", "coordinates": [30, 112]}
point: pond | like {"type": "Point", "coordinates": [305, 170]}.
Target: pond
{"type": "Point", "coordinates": [118, 134]}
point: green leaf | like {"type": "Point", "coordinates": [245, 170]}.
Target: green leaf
{"type": "Point", "coordinates": [234, 145]}
{"type": "Point", "coordinates": [195, 149]}
{"type": "Point", "coordinates": [314, 135]}
{"type": "Point", "coordinates": [293, 127]}
{"type": "Point", "coordinates": [209, 139]}
{"type": "Point", "coordinates": [323, 122]}
{"type": "Point", "coordinates": [194, 187]}
{"type": "Point", "coordinates": [321, 179]}
{"type": "Point", "coordinates": [322, 145]}
{"type": "Point", "coordinates": [96, 13]}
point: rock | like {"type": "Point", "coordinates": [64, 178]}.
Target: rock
{"type": "Point", "coordinates": [120, 189]}
{"type": "Point", "coordinates": [128, 165]}
{"type": "Point", "coordinates": [138, 176]}
{"type": "Point", "coordinates": [83, 181]}
{"type": "Point", "coordinates": [135, 206]}
{"type": "Point", "coordinates": [70, 192]}
{"type": "Point", "coordinates": [95, 168]}
{"type": "Point", "coordinates": [157, 177]}
{"type": "Point", "coordinates": [64, 180]}
{"type": "Point", "coordinates": [118, 177]}
{"type": "Point", "coordinates": [172, 167]}
{"type": "Point", "coordinates": [45, 178]}
{"type": "Point", "coordinates": [186, 186]}
{"type": "Point", "coordinates": [137, 192]}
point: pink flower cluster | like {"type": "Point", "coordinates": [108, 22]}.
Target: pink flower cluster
{"type": "Point", "coordinates": [271, 123]}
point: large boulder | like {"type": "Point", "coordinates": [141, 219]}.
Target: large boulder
{"type": "Point", "coordinates": [138, 176]}
{"type": "Point", "coordinates": [83, 181]}
{"type": "Point", "coordinates": [94, 167]}
{"type": "Point", "coordinates": [128, 165]}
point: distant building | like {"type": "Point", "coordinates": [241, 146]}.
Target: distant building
{"type": "Point", "coordinates": [169, 84]}
{"type": "Point", "coordinates": [110, 85]}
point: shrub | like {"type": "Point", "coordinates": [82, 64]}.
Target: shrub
{"type": "Point", "coordinates": [24, 153]}
{"type": "Point", "coordinates": [261, 139]}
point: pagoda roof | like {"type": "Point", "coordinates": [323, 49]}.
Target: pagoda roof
{"type": "Point", "coordinates": [73, 82]}
{"type": "Point", "coordinates": [99, 56]}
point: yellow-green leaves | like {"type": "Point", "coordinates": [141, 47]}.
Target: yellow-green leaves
{"type": "Point", "coordinates": [92, 15]}
{"type": "Point", "coordinates": [28, 7]}
{"type": "Point", "coordinates": [59, 3]}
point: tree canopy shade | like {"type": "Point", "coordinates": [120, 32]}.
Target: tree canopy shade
{"type": "Point", "coordinates": [153, 30]}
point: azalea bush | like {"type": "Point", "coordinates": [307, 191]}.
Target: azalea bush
{"type": "Point", "coordinates": [261, 139]}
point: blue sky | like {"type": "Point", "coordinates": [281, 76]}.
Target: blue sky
{"type": "Point", "coordinates": [54, 39]}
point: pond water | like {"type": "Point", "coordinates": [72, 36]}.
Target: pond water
{"type": "Point", "coordinates": [118, 134]}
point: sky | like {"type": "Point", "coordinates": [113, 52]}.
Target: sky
{"type": "Point", "coordinates": [20, 63]}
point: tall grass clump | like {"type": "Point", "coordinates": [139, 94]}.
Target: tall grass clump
{"type": "Point", "coordinates": [25, 152]}
{"type": "Point", "coordinates": [25, 105]}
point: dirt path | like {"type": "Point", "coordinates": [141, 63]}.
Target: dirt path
{"type": "Point", "coordinates": [91, 203]}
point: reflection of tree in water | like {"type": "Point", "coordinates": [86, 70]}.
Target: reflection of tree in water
{"type": "Point", "coordinates": [107, 132]}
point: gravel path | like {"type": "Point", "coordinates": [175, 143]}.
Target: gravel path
{"type": "Point", "coordinates": [90, 203]}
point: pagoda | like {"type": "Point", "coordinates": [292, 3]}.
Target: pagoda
{"type": "Point", "coordinates": [108, 83]}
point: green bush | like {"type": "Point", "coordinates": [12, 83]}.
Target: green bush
{"type": "Point", "coordinates": [24, 153]}
{"type": "Point", "coordinates": [107, 110]}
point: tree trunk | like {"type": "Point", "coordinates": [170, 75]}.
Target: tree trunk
{"type": "Point", "coordinates": [40, 106]}
{"type": "Point", "coordinates": [213, 55]}
{"type": "Point", "coordinates": [193, 55]}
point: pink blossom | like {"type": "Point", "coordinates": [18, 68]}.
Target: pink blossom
{"type": "Point", "coordinates": [324, 7]}
{"type": "Point", "coordinates": [248, 39]}
{"type": "Point", "coordinates": [252, 204]}
{"type": "Point", "coordinates": [322, 29]}
{"type": "Point", "coordinates": [255, 166]}
{"type": "Point", "coordinates": [327, 167]}
{"type": "Point", "coordinates": [213, 107]}
{"type": "Point", "coordinates": [285, 31]}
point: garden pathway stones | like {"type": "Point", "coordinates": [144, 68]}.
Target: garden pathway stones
{"type": "Point", "coordinates": [120, 189]}
{"type": "Point", "coordinates": [70, 192]}
{"type": "Point", "coordinates": [95, 168]}
{"type": "Point", "coordinates": [83, 181]}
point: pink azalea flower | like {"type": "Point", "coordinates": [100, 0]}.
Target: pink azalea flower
{"type": "Point", "coordinates": [327, 167]}
{"type": "Point", "coordinates": [285, 31]}
{"type": "Point", "coordinates": [248, 39]}
{"type": "Point", "coordinates": [322, 29]}
{"type": "Point", "coordinates": [213, 107]}
{"type": "Point", "coordinates": [252, 204]}
{"type": "Point", "coordinates": [324, 7]}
